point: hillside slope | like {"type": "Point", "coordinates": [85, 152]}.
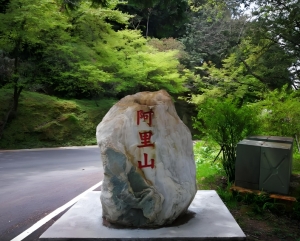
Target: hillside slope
{"type": "Point", "coordinates": [47, 121]}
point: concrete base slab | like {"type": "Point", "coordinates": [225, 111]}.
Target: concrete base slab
{"type": "Point", "coordinates": [207, 219]}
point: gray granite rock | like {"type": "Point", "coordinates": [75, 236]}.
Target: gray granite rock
{"type": "Point", "coordinates": [149, 168]}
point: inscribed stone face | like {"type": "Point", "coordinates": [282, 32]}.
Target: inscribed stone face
{"type": "Point", "coordinates": [149, 168]}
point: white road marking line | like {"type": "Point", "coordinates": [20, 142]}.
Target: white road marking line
{"type": "Point", "coordinates": [44, 220]}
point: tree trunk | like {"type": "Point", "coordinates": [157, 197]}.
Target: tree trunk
{"type": "Point", "coordinates": [7, 117]}
{"type": "Point", "coordinates": [149, 13]}
{"type": "Point", "coordinates": [17, 93]}
{"type": "Point", "coordinates": [13, 105]}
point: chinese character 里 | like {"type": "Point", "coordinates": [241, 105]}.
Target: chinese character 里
{"type": "Point", "coordinates": [146, 139]}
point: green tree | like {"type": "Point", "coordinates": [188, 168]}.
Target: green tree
{"type": "Point", "coordinates": [266, 61]}
{"type": "Point", "coordinates": [250, 70]}
{"type": "Point", "coordinates": [211, 32]}
{"type": "Point", "coordinates": [139, 67]}
{"type": "Point", "coordinates": [79, 54]}
{"type": "Point", "coordinates": [119, 62]}
{"type": "Point", "coordinates": [79, 66]}
{"type": "Point", "coordinates": [23, 34]}
{"type": "Point", "coordinates": [279, 21]}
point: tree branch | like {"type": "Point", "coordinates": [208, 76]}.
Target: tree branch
{"type": "Point", "coordinates": [251, 72]}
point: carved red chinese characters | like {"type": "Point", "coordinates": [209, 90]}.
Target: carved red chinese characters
{"type": "Point", "coordinates": [145, 137]}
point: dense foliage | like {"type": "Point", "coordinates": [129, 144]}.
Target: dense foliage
{"type": "Point", "coordinates": [78, 54]}
{"type": "Point", "coordinates": [280, 114]}
{"type": "Point", "coordinates": [74, 51]}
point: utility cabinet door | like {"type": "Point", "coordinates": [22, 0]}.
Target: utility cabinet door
{"type": "Point", "coordinates": [275, 167]}
{"type": "Point", "coordinates": [287, 140]}
{"type": "Point", "coordinates": [247, 165]}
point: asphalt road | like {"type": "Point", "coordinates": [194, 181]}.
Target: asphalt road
{"type": "Point", "coordinates": [35, 183]}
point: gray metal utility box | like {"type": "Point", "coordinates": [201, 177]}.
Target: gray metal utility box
{"type": "Point", "coordinates": [264, 165]}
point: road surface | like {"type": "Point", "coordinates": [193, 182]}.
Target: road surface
{"type": "Point", "coordinates": [35, 183]}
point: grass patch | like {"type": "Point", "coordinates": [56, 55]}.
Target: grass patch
{"type": "Point", "coordinates": [47, 121]}
{"type": "Point", "coordinates": [207, 171]}
{"type": "Point", "coordinates": [296, 163]}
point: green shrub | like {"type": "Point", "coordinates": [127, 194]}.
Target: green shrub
{"type": "Point", "coordinates": [280, 114]}
{"type": "Point", "coordinates": [226, 124]}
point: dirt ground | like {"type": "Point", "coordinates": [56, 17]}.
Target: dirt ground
{"type": "Point", "coordinates": [280, 222]}
{"type": "Point", "coordinates": [267, 226]}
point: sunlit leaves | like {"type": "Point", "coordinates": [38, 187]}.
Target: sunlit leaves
{"type": "Point", "coordinates": [280, 112]}
{"type": "Point", "coordinates": [137, 65]}
{"type": "Point", "coordinates": [26, 22]}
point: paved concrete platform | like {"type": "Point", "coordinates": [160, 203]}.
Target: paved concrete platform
{"type": "Point", "coordinates": [207, 219]}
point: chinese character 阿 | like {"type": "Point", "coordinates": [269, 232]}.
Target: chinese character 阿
{"type": "Point", "coordinates": [146, 139]}
{"type": "Point", "coordinates": [145, 164]}
{"type": "Point", "coordinates": [147, 116]}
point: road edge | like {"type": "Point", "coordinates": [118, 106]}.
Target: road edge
{"type": "Point", "coordinates": [47, 218]}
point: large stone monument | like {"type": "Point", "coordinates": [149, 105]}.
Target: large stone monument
{"type": "Point", "coordinates": [149, 181]}
{"type": "Point", "coordinates": [149, 168]}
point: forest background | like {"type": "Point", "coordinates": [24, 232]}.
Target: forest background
{"type": "Point", "coordinates": [231, 66]}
